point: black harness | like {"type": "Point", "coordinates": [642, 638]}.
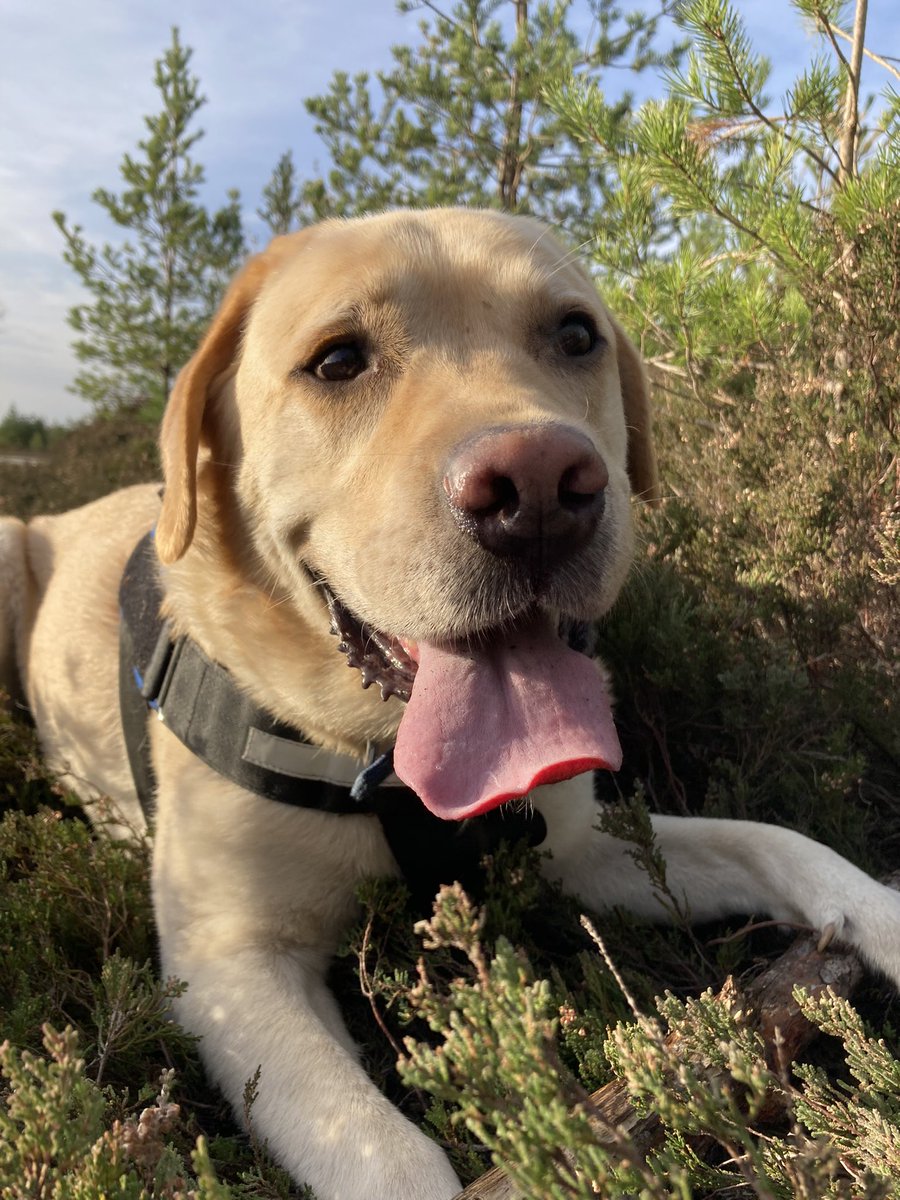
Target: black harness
{"type": "Point", "coordinates": [200, 702]}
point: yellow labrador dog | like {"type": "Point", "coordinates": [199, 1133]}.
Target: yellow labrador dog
{"type": "Point", "coordinates": [422, 430]}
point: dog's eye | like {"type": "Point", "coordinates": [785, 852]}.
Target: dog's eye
{"type": "Point", "coordinates": [339, 363]}
{"type": "Point", "coordinates": [577, 335]}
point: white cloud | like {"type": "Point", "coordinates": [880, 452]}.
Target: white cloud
{"type": "Point", "coordinates": [36, 361]}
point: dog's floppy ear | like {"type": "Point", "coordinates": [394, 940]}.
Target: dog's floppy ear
{"type": "Point", "coordinates": [183, 419]}
{"type": "Point", "coordinates": [636, 399]}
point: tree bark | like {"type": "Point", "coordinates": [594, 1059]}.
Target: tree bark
{"type": "Point", "coordinates": [851, 101]}
{"type": "Point", "coordinates": [510, 166]}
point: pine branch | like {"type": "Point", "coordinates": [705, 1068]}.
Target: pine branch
{"type": "Point", "coordinates": [833, 32]}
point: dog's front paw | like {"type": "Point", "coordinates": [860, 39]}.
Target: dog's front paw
{"type": "Point", "coordinates": [385, 1160]}
{"type": "Point", "coordinates": [852, 909]}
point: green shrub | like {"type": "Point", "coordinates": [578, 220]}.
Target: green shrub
{"type": "Point", "coordinates": [58, 1142]}
{"type": "Point", "coordinates": [87, 461]}
{"type": "Point", "coordinates": [696, 1065]}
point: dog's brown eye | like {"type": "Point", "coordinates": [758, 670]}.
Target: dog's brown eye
{"type": "Point", "coordinates": [340, 363]}
{"type": "Point", "coordinates": [577, 335]}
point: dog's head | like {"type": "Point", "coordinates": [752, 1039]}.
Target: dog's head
{"type": "Point", "coordinates": [430, 416]}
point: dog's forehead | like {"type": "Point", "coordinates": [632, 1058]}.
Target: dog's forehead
{"type": "Point", "coordinates": [448, 257]}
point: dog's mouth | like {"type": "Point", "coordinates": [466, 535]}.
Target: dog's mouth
{"type": "Point", "coordinates": [379, 658]}
{"type": "Point", "coordinates": [490, 718]}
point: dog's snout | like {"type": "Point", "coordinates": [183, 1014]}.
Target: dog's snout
{"type": "Point", "coordinates": [533, 491]}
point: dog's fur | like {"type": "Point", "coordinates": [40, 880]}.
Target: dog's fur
{"type": "Point", "coordinates": [268, 467]}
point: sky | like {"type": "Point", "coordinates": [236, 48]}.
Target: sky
{"type": "Point", "coordinates": [76, 80]}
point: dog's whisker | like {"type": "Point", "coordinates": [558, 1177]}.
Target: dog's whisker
{"type": "Point", "coordinates": [545, 232]}
{"type": "Point", "coordinates": [572, 256]}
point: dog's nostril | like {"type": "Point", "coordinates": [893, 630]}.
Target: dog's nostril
{"type": "Point", "coordinates": [576, 501]}
{"type": "Point", "coordinates": [506, 497]}
{"type": "Point", "coordinates": [581, 487]}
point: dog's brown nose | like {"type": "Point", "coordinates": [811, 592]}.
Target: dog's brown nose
{"type": "Point", "coordinates": [528, 491]}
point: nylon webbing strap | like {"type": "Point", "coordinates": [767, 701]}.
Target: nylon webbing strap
{"type": "Point", "coordinates": [133, 711]}
{"type": "Point", "coordinates": [222, 725]}
{"type": "Point", "coordinates": [140, 624]}
{"type": "Point", "coordinates": [200, 702]}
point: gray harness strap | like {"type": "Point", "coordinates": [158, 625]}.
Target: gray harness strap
{"type": "Point", "coordinates": [201, 703]}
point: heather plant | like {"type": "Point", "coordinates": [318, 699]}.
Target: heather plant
{"type": "Point", "coordinates": [77, 942]}
{"type": "Point", "coordinates": [696, 1065]}
{"type": "Point", "coordinates": [501, 1051]}
{"type": "Point", "coordinates": [58, 1142]}
{"type": "Point", "coordinates": [88, 1037]}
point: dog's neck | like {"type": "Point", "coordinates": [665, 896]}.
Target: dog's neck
{"type": "Point", "coordinates": [277, 646]}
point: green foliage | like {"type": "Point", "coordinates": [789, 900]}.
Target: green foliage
{"type": "Point", "coordinates": [696, 1065]}
{"type": "Point", "coordinates": [497, 1033]}
{"type": "Point", "coordinates": [282, 206]}
{"type": "Point", "coordinates": [720, 715]}
{"type": "Point", "coordinates": [153, 294]}
{"type": "Point", "coordinates": [862, 1119]}
{"type": "Point", "coordinates": [84, 462]}
{"type": "Point", "coordinates": [76, 939]}
{"type": "Point", "coordinates": [460, 119]}
{"type": "Point", "coordinates": [25, 783]}
{"type": "Point", "coordinates": [705, 1075]}
{"type": "Point", "coordinates": [76, 948]}
{"type": "Point", "coordinates": [492, 1043]}
{"type": "Point", "coordinates": [19, 432]}
{"type": "Point", "coordinates": [56, 1141]}
{"type": "Point", "coordinates": [76, 926]}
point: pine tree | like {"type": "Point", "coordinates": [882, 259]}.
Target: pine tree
{"type": "Point", "coordinates": [152, 293]}
{"type": "Point", "coordinates": [283, 204]}
{"type": "Point", "coordinates": [460, 117]}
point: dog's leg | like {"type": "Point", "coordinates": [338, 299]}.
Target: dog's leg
{"type": "Point", "coordinates": [717, 868]}
{"type": "Point", "coordinates": [251, 899]}
{"type": "Point", "coordinates": [13, 602]}
{"type": "Point", "coordinates": [321, 1115]}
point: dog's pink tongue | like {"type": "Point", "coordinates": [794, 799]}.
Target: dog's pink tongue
{"type": "Point", "coordinates": [485, 724]}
